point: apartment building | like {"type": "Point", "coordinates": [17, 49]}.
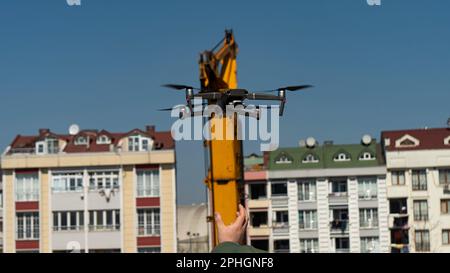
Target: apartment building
{"type": "Point", "coordinates": [90, 191]}
{"type": "Point", "coordinates": [418, 179]}
{"type": "Point", "coordinates": [319, 198]}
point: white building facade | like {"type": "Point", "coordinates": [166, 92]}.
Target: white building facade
{"type": "Point", "coordinates": [418, 179]}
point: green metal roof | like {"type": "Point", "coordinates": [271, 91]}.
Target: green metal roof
{"type": "Point", "coordinates": [253, 159]}
{"type": "Point", "coordinates": [325, 155]}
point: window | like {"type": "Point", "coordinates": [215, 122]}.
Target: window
{"type": "Point", "coordinates": [307, 219]}
{"type": "Point", "coordinates": [148, 183]}
{"type": "Point", "coordinates": [40, 148]}
{"type": "Point", "coordinates": [149, 250]}
{"type": "Point", "coordinates": [309, 245]}
{"type": "Point", "coordinates": [283, 158]}
{"type": "Point", "coordinates": [342, 245]}
{"type": "Point", "coordinates": [148, 222]}
{"type": "Point", "coordinates": [444, 176]}
{"type": "Point", "coordinates": [420, 210]}
{"type": "Point", "coordinates": [310, 158]}
{"type": "Point", "coordinates": [281, 219]}
{"type": "Point", "coordinates": [103, 140]}
{"type": "Point", "coordinates": [104, 220]}
{"type": "Point", "coordinates": [342, 157]}
{"type": "Point", "coordinates": [398, 206]}
{"type": "Point", "coordinates": [446, 236]}
{"type": "Point", "coordinates": [67, 182]}
{"type": "Point", "coordinates": [419, 180]}
{"type": "Point", "coordinates": [1, 198]}
{"type": "Point", "coordinates": [81, 140]}
{"type": "Point", "coordinates": [138, 143]}
{"type": "Point", "coordinates": [338, 187]}
{"type": "Point", "coordinates": [398, 177]}
{"type": "Point", "coordinates": [279, 189]}
{"type": "Point", "coordinates": [370, 244]}
{"type": "Point", "coordinates": [407, 142]}
{"type": "Point", "coordinates": [307, 191]}
{"type": "Point", "coordinates": [27, 224]}
{"type": "Point", "coordinates": [52, 145]}
{"type": "Point", "coordinates": [258, 219]}
{"type": "Point", "coordinates": [27, 187]}
{"type": "Point", "coordinates": [103, 180]}
{"type": "Point", "coordinates": [68, 220]}
{"type": "Point", "coordinates": [445, 204]}
{"type": "Point", "coordinates": [422, 240]}
{"type": "Point", "coordinates": [367, 188]}
{"type": "Point", "coordinates": [366, 156]}
{"type": "Point", "coordinates": [257, 191]}
{"type": "Point", "coordinates": [368, 218]}
{"type": "Point", "coordinates": [281, 246]}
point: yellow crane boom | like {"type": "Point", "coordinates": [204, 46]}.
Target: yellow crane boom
{"type": "Point", "coordinates": [218, 72]}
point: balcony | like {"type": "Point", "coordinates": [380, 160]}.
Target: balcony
{"type": "Point", "coordinates": [339, 226]}
{"type": "Point", "coordinates": [255, 204]}
{"type": "Point", "coordinates": [398, 221]}
{"type": "Point", "coordinates": [280, 201]}
{"type": "Point", "coordinates": [280, 228]}
{"type": "Point", "coordinates": [259, 231]}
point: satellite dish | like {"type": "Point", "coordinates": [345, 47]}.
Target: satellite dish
{"type": "Point", "coordinates": [366, 139]}
{"type": "Point", "coordinates": [74, 129]}
{"type": "Point", "coordinates": [310, 142]}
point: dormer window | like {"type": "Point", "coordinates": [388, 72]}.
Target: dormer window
{"type": "Point", "coordinates": [407, 141]}
{"type": "Point", "coordinates": [103, 140]}
{"type": "Point", "coordinates": [283, 159]}
{"type": "Point", "coordinates": [447, 141]}
{"type": "Point", "coordinates": [81, 140]}
{"type": "Point", "coordinates": [367, 156]}
{"type": "Point", "coordinates": [310, 158]}
{"type": "Point", "coordinates": [138, 143]}
{"type": "Point", "coordinates": [342, 157]}
{"type": "Point", "coordinates": [47, 146]}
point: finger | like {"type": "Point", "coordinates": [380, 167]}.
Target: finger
{"type": "Point", "coordinates": [219, 221]}
{"type": "Point", "coordinates": [241, 216]}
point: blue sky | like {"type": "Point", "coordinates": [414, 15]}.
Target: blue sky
{"type": "Point", "coordinates": [101, 65]}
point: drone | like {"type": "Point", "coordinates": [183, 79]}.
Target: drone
{"type": "Point", "coordinates": [235, 97]}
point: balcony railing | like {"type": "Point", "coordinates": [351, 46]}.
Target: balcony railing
{"type": "Point", "coordinates": [338, 225]}
{"type": "Point", "coordinates": [342, 250]}
{"type": "Point", "coordinates": [22, 151]}
{"type": "Point", "coordinates": [104, 228]}
{"type": "Point", "coordinates": [149, 230]}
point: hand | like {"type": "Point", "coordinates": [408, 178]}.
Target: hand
{"type": "Point", "coordinates": [236, 231]}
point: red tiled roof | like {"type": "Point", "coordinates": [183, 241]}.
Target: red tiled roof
{"type": "Point", "coordinates": [429, 139]}
{"type": "Point", "coordinates": [162, 140]}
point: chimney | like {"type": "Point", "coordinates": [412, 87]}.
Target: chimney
{"type": "Point", "coordinates": [150, 129]}
{"type": "Point", "coordinates": [44, 131]}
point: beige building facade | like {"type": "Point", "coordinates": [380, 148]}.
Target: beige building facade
{"type": "Point", "coordinates": [90, 191]}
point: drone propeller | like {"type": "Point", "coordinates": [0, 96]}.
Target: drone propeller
{"type": "Point", "coordinates": [179, 87]}
{"type": "Point", "coordinates": [179, 106]}
{"type": "Point", "coordinates": [290, 88]}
